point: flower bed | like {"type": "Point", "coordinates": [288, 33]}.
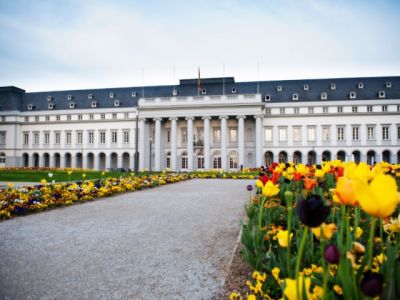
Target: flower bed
{"type": "Point", "coordinates": [323, 232]}
{"type": "Point", "coordinates": [21, 201]}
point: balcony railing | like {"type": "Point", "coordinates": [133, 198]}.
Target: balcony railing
{"type": "Point", "coordinates": [195, 100]}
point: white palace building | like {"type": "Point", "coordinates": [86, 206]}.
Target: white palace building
{"type": "Point", "coordinates": [215, 123]}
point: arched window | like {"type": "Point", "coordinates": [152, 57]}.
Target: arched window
{"type": "Point", "coordinates": [233, 161]}
{"type": "Point", "coordinates": [2, 159]}
{"type": "Point", "coordinates": [200, 160]}
{"type": "Point", "coordinates": [217, 162]}
{"type": "Point", "coordinates": [282, 157]}
{"type": "Point", "coordinates": [184, 160]}
{"type": "Point", "coordinates": [168, 160]}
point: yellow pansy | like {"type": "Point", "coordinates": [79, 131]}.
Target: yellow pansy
{"type": "Point", "coordinates": [43, 181]}
{"type": "Point", "coordinates": [270, 189]}
{"type": "Point", "coordinates": [327, 230]}
{"type": "Point", "coordinates": [251, 297]}
{"type": "Point", "coordinates": [275, 273]}
{"type": "Point", "coordinates": [284, 238]}
{"type": "Point", "coordinates": [359, 231]}
{"type": "Point", "coordinates": [393, 225]}
{"type": "Point", "coordinates": [10, 185]}
{"type": "Point", "coordinates": [291, 287]}
{"type": "Point", "coordinates": [338, 290]}
{"type": "Point", "coordinates": [379, 198]}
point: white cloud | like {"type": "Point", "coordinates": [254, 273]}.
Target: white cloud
{"type": "Point", "coordinates": [109, 44]}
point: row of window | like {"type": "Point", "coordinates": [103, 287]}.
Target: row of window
{"type": "Point", "coordinates": [326, 133]}
{"type": "Point", "coordinates": [75, 117]}
{"type": "Point", "coordinates": [339, 109]}
{"type": "Point", "coordinates": [91, 96]}
{"type": "Point", "coordinates": [198, 136]}
{"type": "Point", "coordinates": [102, 135]}
{"type": "Point", "coordinates": [233, 161]}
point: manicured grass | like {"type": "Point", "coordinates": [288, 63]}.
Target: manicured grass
{"type": "Point", "coordinates": [58, 176]}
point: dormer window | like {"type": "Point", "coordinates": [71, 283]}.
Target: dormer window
{"type": "Point", "coordinates": [203, 91]}
{"type": "Point", "coordinates": [90, 96]}
{"type": "Point", "coordinates": [268, 98]}
{"type": "Point", "coordinates": [71, 105]}
{"type": "Point", "coordinates": [333, 86]}
{"type": "Point", "coordinates": [360, 85]}
{"type": "Point", "coordinates": [111, 95]}
{"type": "Point", "coordinates": [324, 96]}
{"type": "Point", "coordinates": [279, 88]}
{"type": "Point", "coordinates": [69, 97]}
{"type": "Point", "coordinates": [30, 107]}
{"type": "Point", "coordinates": [353, 95]}
{"type": "Point", "coordinates": [382, 94]}
{"type": "Point", "coordinates": [51, 106]}
{"type": "Point", "coordinates": [116, 103]}
{"type": "Point", "coordinates": [175, 93]}
{"type": "Point", "coordinates": [133, 94]}
{"type": "Point", "coordinates": [233, 90]}
{"type": "Point", "coordinates": [388, 85]}
{"type": "Point", "coordinates": [295, 97]}
{"type": "Point", "coordinates": [305, 87]}
{"type": "Point", "coordinates": [49, 98]}
{"type": "Point", "coordinates": [94, 104]}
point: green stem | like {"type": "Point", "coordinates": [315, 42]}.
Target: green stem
{"type": "Point", "coordinates": [325, 281]}
{"type": "Point", "coordinates": [298, 260]}
{"type": "Point", "coordinates": [356, 221]}
{"type": "Point", "coordinates": [342, 224]}
{"type": "Point", "coordinates": [371, 242]}
{"type": "Point", "coordinates": [260, 214]}
{"type": "Point", "coordinates": [289, 229]}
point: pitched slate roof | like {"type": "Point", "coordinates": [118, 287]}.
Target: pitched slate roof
{"type": "Point", "coordinates": [12, 98]}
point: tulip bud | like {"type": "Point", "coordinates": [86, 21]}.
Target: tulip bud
{"type": "Point", "coordinates": [249, 187]}
{"type": "Point", "coordinates": [372, 284]}
{"type": "Point", "coordinates": [332, 254]}
{"type": "Point", "coordinates": [312, 211]}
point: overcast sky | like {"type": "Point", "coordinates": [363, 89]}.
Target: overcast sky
{"type": "Point", "coordinates": [73, 44]}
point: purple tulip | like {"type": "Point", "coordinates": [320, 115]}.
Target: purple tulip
{"type": "Point", "coordinates": [372, 284]}
{"type": "Point", "coordinates": [249, 187]}
{"type": "Point", "coordinates": [332, 254]}
{"type": "Point", "coordinates": [312, 211]}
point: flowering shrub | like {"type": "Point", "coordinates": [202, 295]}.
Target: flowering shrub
{"type": "Point", "coordinates": [20, 201]}
{"type": "Point", "coordinates": [329, 231]}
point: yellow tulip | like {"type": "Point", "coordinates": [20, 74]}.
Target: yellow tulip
{"type": "Point", "coordinates": [43, 181]}
{"type": "Point", "coordinates": [291, 288]}
{"type": "Point", "coordinates": [319, 173]}
{"type": "Point", "coordinates": [302, 169]}
{"type": "Point", "coordinates": [379, 198]}
{"type": "Point", "coordinates": [10, 185]}
{"type": "Point", "coordinates": [270, 189]}
{"type": "Point", "coordinates": [284, 238]}
{"type": "Point", "coordinates": [259, 184]}
{"type": "Point", "coordinates": [344, 191]}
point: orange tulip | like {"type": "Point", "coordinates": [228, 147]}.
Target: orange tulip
{"type": "Point", "coordinates": [309, 183]}
{"type": "Point", "coordinates": [345, 192]}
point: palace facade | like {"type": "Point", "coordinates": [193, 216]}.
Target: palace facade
{"type": "Point", "coordinates": [212, 123]}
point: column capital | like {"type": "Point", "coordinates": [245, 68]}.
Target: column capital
{"type": "Point", "coordinates": [142, 119]}
{"type": "Point", "coordinates": [258, 116]}
{"type": "Point", "coordinates": [173, 118]}
{"type": "Point", "coordinates": [223, 117]}
{"type": "Point", "coordinates": [157, 119]}
{"type": "Point", "coordinates": [206, 118]}
{"type": "Point", "coordinates": [240, 117]}
{"type": "Point", "coordinates": [189, 118]}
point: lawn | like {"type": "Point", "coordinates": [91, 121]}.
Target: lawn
{"type": "Point", "coordinates": [58, 176]}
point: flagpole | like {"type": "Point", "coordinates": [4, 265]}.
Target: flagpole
{"type": "Point", "coordinates": [198, 82]}
{"type": "Point", "coordinates": [223, 79]}
{"type": "Point", "coordinates": [258, 77]}
{"type": "Point", "coordinates": [142, 82]}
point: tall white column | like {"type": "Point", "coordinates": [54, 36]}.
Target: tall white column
{"type": "Point", "coordinates": [73, 160]}
{"type": "Point", "coordinates": [141, 144]}
{"type": "Point", "coordinates": [119, 160]}
{"type": "Point", "coordinates": [207, 143]}
{"type": "Point", "coordinates": [96, 161]}
{"type": "Point", "coordinates": [258, 140]}
{"type": "Point", "coordinates": [173, 143]}
{"type": "Point", "coordinates": [241, 140]}
{"type": "Point", "coordinates": [224, 135]}
{"type": "Point", "coordinates": [108, 161]}
{"type": "Point", "coordinates": [84, 161]}
{"type": "Point", "coordinates": [190, 142]}
{"type": "Point", "coordinates": [157, 145]}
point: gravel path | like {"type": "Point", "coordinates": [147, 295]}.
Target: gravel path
{"type": "Point", "coordinates": [171, 242]}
